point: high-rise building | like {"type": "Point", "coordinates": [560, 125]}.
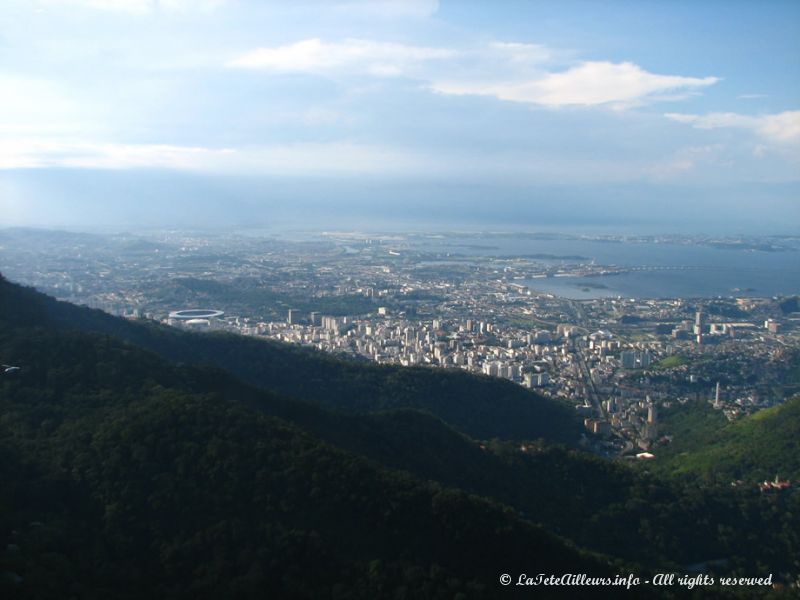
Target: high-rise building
{"type": "Point", "coordinates": [652, 414]}
{"type": "Point", "coordinates": [534, 380]}
{"type": "Point", "coordinates": [332, 324]}
{"type": "Point", "coordinates": [628, 359]}
{"type": "Point", "coordinates": [293, 317]}
{"type": "Point", "coordinates": [651, 426]}
{"type": "Point", "coordinates": [490, 369]}
{"type": "Point", "coordinates": [699, 323]}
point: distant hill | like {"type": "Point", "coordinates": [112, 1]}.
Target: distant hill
{"type": "Point", "coordinates": [753, 448]}
{"type": "Point", "coordinates": [481, 407]}
{"type": "Point", "coordinates": [790, 305]}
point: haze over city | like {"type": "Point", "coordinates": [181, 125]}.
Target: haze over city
{"type": "Point", "coordinates": [677, 116]}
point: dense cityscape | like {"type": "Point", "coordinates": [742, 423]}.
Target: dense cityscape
{"type": "Point", "coordinates": [415, 300]}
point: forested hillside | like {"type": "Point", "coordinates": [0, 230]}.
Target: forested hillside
{"type": "Point", "coordinates": [127, 475]}
{"type": "Point", "coordinates": [121, 479]}
{"type": "Point", "coordinates": [757, 447]}
{"type": "Point", "coordinates": [482, 407]}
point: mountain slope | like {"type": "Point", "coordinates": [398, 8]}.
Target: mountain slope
{"type": "Point", "coordinates": [481, 407]}
{"type": "Point", "coordinates": [123, 480]}
{"type": "Point", "coordinates": [636, 517]}
{"type": "Point", "coordinates": [757, 447]}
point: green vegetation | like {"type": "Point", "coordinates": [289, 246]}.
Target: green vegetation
{"type": "Point", "coordinates": [249, 295]}
{"type": "Point", "coordinates": [126, 475]}
{"type": "Point", "coordinates": [690, 426]}
{"type": "Point", "coordinates": [724, 309]}
{"type": "Point", "coordinates": [794, 374]}
{"type": "Point", "coordinates": [676, 360]}
{"type": "Point", "coordinates": [754, 448]}
{"type": "Point", "coordinates": [481, 407]}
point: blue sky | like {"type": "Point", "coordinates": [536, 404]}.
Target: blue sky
{"type": "Point", "coordinates": [605, 104]}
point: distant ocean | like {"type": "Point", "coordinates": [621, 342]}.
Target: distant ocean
{"type": "Point", "coordinates": [704, 271]}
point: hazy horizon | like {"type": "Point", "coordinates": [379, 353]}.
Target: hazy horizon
{"type": "Point", "coordinates": [145, 200]}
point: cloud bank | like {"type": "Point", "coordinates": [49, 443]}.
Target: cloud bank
{"type": "Point", "coordinates": [352, 55]}
{"type": "Point", "coordinates": [781, 127]}
{"type": "Point", "coordinates": [523, 68]}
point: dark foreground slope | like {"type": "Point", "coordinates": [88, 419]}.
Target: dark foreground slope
{"type": "Point", "coordinates": [481, 407]}
{"type": "Point", "coordinates": [93, 383]}
{"type": "Point", "coordinates": [122, 480]}
{"type": "Point", "coordinates": [598, 504]}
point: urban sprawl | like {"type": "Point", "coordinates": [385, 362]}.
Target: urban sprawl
{"type": "Point", "coordinates": [618, 361]}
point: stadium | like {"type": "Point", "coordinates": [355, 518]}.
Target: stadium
{"type": "Point", "coordinates": [195, 313]}
{"type": "Point", "coordinates": [195, 318]}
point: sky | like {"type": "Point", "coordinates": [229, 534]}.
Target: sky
{"type": "Point", "coordinates": [235, 113]}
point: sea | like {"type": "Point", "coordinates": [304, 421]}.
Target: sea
{"type": "Point", "coordinates": [660, 269]}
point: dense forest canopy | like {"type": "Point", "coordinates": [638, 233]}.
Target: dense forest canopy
{"type": "Point", "coordinates": [130, 470]}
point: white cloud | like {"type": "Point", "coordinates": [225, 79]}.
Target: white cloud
{"type": "Point", "coordinates": [388, 9]}
{"type": "Point", "coordinates": [284, 159]}
{"type": "Point", "coordinates": [506, 70]}
{"type": "Point", "coordinates": [712, 120]}
{"type": "Point", "coordinates": [682, 118]}
{"type": "Point", "coordinates": [780, 127]}
{"type": "Point", "coordinates": [783, 127]}
{"type": "Point", "coordinates": [342, 158]}
{"type": "Point", "coordinates": [35, 153]}
{"type": "Point", "coordinates": [687, 159]}
{"type": "Point", "coordinates": [316, 56]}
{"type": "Point", "coordinates": [588, 84]}
{"type": "Point", "coordinates": [138, 6]}
{"type": "Point", "coordinates": [391, 8]}
{"type": "Point", "coordinates": [128, 6]}
{"type": "Point", "coordinates": [604, 83]}
{"type": "Point", "coordinates": [525, 54]}
{"type": "Point", "coordinates": [38, 106]}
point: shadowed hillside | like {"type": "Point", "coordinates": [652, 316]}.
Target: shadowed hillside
{"type": "Point", "coordinates": [480, 406]}
{"type": "Point", "coordinates": [84, 399]}
{"type": "Point", "coordinates": [124, 479]}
